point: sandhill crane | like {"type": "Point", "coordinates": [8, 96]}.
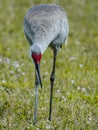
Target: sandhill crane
{"type": "Point", "coordinates": [45, 25]}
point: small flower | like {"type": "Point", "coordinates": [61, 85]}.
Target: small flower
{"type": "Point", "coordinates": [64, 98]}
{"type": "Point", "coordinates": [78, 87]}
{"type": "Point", "coordinates": [48, 126]}
{"type": "Point", "coordinates": [67, 93]}
{"type": "Point", "coordinates": [83, 89]}
{"type": "Point", "coordinates": [58, 91]}
{"type": "Point", "coordinates": [44, 61]}
{"type": "Point", "coordinates": [72, 58]}
{"type": "Point", "coordinates": [3, 81]}
{"type": "Point", "coordinates": [72, 81]}
{"type": "Point", "coordinates": [16, 64]}
{"type": "Point", "coordinates": [23, 73]}
{"type": "Point", "coordinates": [11, 72]}
{"type": "Point", "coordinates": [46, 73]}
{"type": "Point", "coordinates": [89, 118]}
{"type": "Point", "coordinates": [81, 65]}
{"type": "Point", "coordinates": [7, 60]}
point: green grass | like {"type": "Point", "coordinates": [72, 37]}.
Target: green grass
{"type": "Point", "coordinates": [75, 96]}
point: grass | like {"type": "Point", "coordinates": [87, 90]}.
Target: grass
{"type": "Point", "coordinates": [75, 96]}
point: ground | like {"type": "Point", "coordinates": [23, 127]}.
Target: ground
{"type": "Point", "coordinates": [75, 95]}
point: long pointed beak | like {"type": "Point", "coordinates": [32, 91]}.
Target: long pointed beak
{"type": "Point", "coordinates": [38, 73]}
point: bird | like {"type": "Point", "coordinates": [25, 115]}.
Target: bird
{"type": "Point", "coordinates": [45, 25]}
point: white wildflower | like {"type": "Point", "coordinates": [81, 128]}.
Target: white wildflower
{"type": "Point", "coordinates": [72, 81]}
{"type": "Point", "coordinates": [67, 93]}
{"type": "Point", "coordinates": [23, 73]}
{"type": "Point", "coordinates": [81, 65]}
{"type": "Point", "coordinates": [7, 60]}
{"type": "Point", "coordinates": [44, 61]}
{"type": "Point", "coordinates": [16, 64]}
{"type": "Point", "coordinates": [58, 91]}
{"type": "Point", "coordinates": [89, 118]}
{"type": "Point", "coordinates": [64, 98]}
{"type": "Point", "coordinates": [11, 72]}
{"type": "Point", "coordinates": [3, 81]}
{"type": "Point", "coordinates": [48, 126]}
{"type": "Point", "coordinates": [78, 87]}
{"type": "Point", "coordinates": [72, 58]}
{"type": "Point", "coordinates": [46, 73]}
{"type": "Point", "coordinates": [83, 89]}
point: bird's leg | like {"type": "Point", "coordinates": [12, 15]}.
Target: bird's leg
{"type": "Point", "coordinates": [52, 78]}
{"type": "Point", "coordinates": [36, 96]}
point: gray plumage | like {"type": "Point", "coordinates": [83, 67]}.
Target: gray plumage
{"type": "Point", "coordinates": [45, 25]}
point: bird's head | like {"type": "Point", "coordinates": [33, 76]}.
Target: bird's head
{"type": "Point", "coordinates": [36, 56]}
